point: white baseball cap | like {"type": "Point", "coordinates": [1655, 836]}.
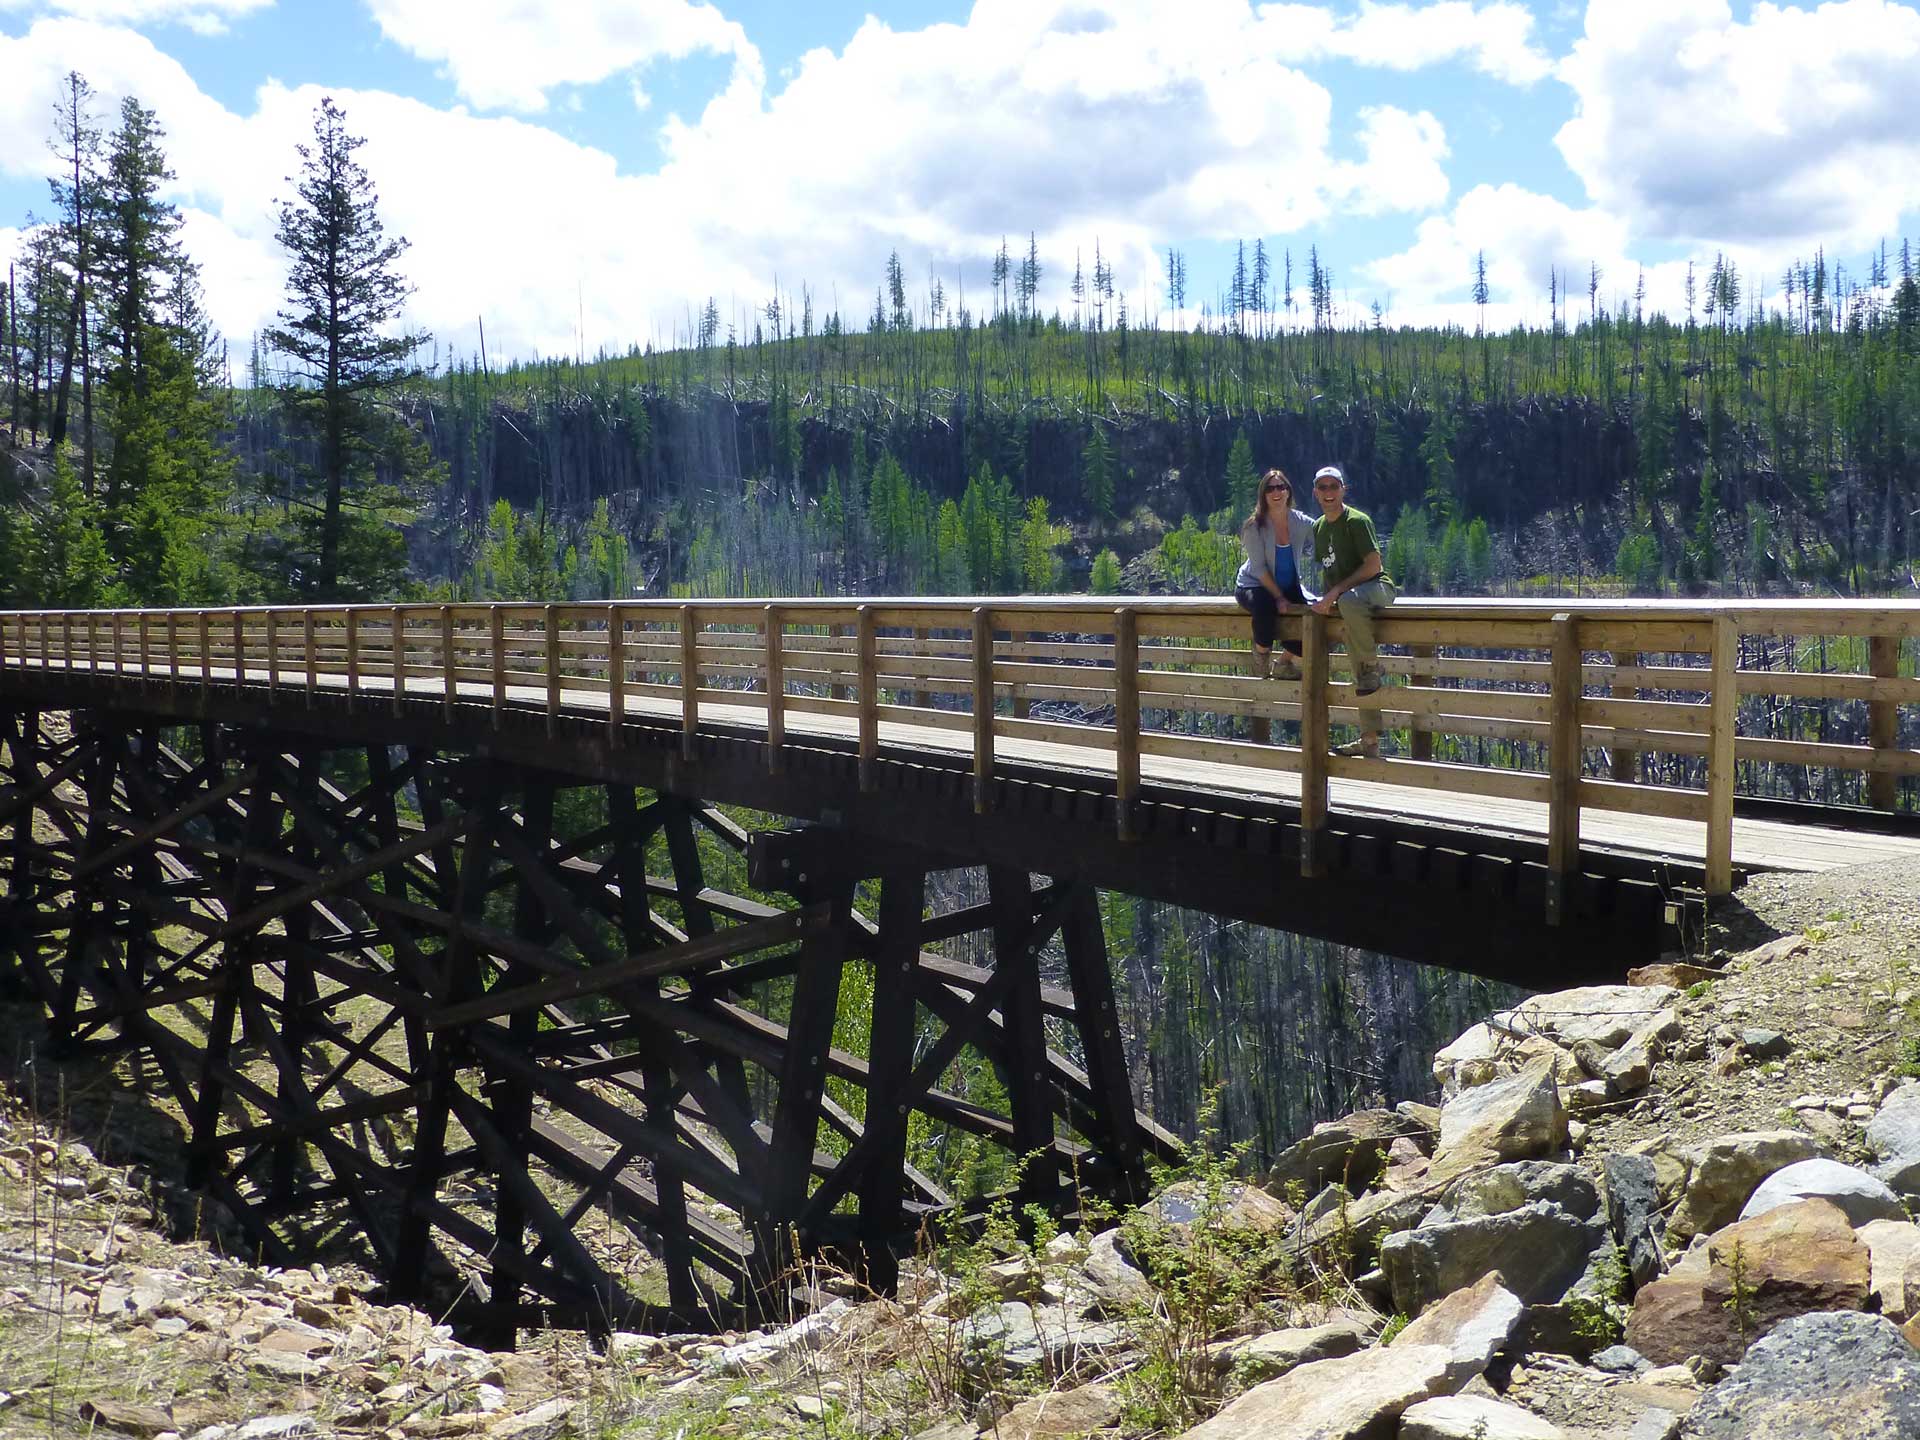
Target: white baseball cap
{"type": "Point", "coordinates": [1333, 470]}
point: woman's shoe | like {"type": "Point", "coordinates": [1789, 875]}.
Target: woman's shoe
{"type": "Point", "coordinates": [1367, 747]}
{"type": "Point", "coordinates": [1285, 668]}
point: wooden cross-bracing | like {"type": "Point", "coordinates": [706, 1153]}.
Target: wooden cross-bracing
{"type": "Point", "coordinates": [406, 993]}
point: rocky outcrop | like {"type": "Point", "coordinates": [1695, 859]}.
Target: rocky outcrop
{"type": "Point", "coordinates": [1474, 1417]}
{"type": "Point", "coordinates": [1539, 1247]}
{"type": "Point", "coordinates": [1893, 1135]}
{"type": "Point", "coordinates": [1633, 1215]}
{"type": "Point", "coordinates": [1352, 1398]}
{"type": "Point", "coordinates": [1267, 1357]}
{"type": "Point", "coordinates": [1516, 1118]}
{"type": "Point", "coordinates": [1351, 1151]}
{"type": "Point", "coordinates": [1857, 1193]}
{"type": "Point", "coordinates": [1818, 1377]}
{"type": "Point", "coordinates": [1471, 1324]}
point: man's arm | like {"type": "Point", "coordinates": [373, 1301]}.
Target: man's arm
{"type": "Point", "coordinates": [1370, 568]}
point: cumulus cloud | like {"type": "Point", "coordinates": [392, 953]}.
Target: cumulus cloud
{"type": "Point", "coordinates": [1119, 121]}
{"type": "Point", "coordinates": [208, 17]}
{"type": "Point", "coordinates": [1496, 39]}
{"type": "Point", "coordinates": [507, 54]}
{"type": "Point", "coordinates": [1790, 128]}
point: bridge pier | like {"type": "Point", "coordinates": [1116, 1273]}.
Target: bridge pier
{"type": "Point", "coordinates": [511, 1026]}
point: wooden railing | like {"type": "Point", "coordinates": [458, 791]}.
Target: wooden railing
{"type": "Point", "coordinates": [1621, 706]}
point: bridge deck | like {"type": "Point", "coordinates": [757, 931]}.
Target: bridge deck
{"type": "Point", "coordinates": [1758, 843]}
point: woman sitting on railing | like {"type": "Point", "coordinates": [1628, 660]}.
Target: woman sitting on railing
{"type": "Point", "coordinates": [1278, 541]}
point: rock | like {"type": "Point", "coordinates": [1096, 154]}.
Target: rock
{"type": "Point", "coordinates": [1784, 948]}
{"type": "Point", "coordinates": [1822, 1377]}
{"type": "Point", "coordinates": [949, 1430]}
{"type": "Point", "coordinates": [1672, 973]}
{"type": "Point", "coordinates": [1184, 1204]}
{"type": "Point", "coordinates": [1893, 1135]}
{"type": "Point", "coordinates": [1475, 1045]}
{"type": "Point", "coordinates": [286, 1365]}
{"type": "Point", "coordinates": [1893, 1253]}
{"type": "Point", "coordinates": [1017, 1336]}
{"type": "Point", "coordinates": [1608, 1015]}
{"type": "Point", "coordinates": [770, 1350]}
{"type": "Point", "coordinates": [1267, 1357]}
{"type": "Point", "coordinates": [1539, 1247]}
{"type": "Point", "coordinates": [1114, 1282]}
{"type": "Point", "coordinates": [1351, 1151]}
{"type": "Point", "coordinates": [1633, 1215]}
{"type": "Point", "coordinates": [1857, 1193]}
{"type": "Point", "coordinates": [1516, 1118]}
{"type": "Point", "coordinates": [1629, 1070]}
{"type": "Point", "coordinates": [1619, 1360]}
{"type": "Point", "coordinates": [1765, 1044]}
{"type": "Point", "coordinates": [1472, 1417]}
{"type": "Point", "coordinates": [807, 1407]}
{"type": "Point", "coordinates": [1328, 1202]}
{"type": "Point", "coordinates": [276, 1427]}
{"type": "Point", "coordinates": [1349, 1398]}
{"type": "Point", "coordinates": [1061, 1413]}
{"type": "Point", "coordinates": [128, 1419]}
{"type": "Point", "coordinates": [1471, 1325]}
{"type": "Point", "coordinates": [1726, 1171]}
{"type": "Point", "coordinates": [1351, 1240]}
{"type": "Point", "coordinates": [625, 1345]}
{"type": "Point", "coordinates": [1424, 1118]}
{"type": "Point", "coordinates": [1507, 1187]}
{"type": "Point", "coordinates": [546, 1421]}
{"type": "Point", "coordinates": [1407, 1166]}
{"type": "Point", "coordinates": [1799, 1258]}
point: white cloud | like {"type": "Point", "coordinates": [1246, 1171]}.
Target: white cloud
{"type": "Point", "coordinates": [208, 17]}
{"type": "Point", "coordinates": [1497, 39]}
{"type": "Point", "coordinates": [507, 54]}
{"type": "Point", "coordinates": [1791, 128]}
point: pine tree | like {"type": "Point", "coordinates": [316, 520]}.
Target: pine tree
{"type": "Point", "coordinates": [76, 142]}
{"type": "Point", "coordinates": [1481, 294]}
{"type": "Point", "coordinates": [66, 545]}
{"type": "Point", "coordinates": [1242, 483]}
{"type": "Point", "coordinates": [1097, 477]}
{"type": "Point", "coordinates": [1105, 578]}
{"type": "Point", "coordinates": [344, 289]}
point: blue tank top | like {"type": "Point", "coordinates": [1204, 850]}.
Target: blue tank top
{"type": "Point", "coordinates": [1285, 574]}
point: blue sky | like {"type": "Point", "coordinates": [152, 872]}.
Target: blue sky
{"type": "Point", "coordinates": [585, 175]}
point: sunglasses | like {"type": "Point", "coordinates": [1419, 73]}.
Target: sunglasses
{"type": "Point", "coordinates": [1326, 484]}
{"type": "Point", "coordinates": [1277, 490]}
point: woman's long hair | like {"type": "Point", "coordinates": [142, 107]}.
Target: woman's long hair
{"type": "Point", "coordinates": [1260, 494]}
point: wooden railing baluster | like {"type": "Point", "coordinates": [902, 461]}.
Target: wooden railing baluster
{"type": "Point", "coordinates": [1563, 765]}
{"type": "Point", "coordinates": [353, 655]}
{"type": "Point", "coordinates": [1126, 719]}
{"type": "Point", "coordinates": [1725, 703]}
{"type": "Point", "coordinates": [397, 658]}
{"type": "Point", "coordinates": [497, 642]}
{"type": "Point", "coordinates": [307, 643]}
{"type": "Point", "coordinates": [552, 661]}
{"type": "Point", "coordinates": [1623, 762]}
{"type": "Point", "coordinates": [866, 667]}
{"type": "Point", "coordinates": [775, 642]}
{"type": "Point", "coordinates": [689, 679]}
{"type": "Point", "coordinates": [616, 673]}
{"type": "Point", "coordinates": [1883, 721]}
{"type": "Point", "coordinates": [982, 709]}
{"type": "Point", "coordinates": [1313, 745]}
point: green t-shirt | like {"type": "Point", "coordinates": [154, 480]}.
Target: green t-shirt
{"type": "Point", "coordinates": [1340, 545]}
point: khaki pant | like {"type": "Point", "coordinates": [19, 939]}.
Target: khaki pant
{"type": "Point", "coordinates": [1358, 606]}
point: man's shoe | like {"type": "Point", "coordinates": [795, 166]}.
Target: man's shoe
{"type": "Point", "coordinates": [1286, 669]}
{"type": "Point", "coordinates": [1365, 748]}
{"type": "Point", "coordinates": [1366, 683]}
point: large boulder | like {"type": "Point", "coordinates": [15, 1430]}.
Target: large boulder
{"type": "Point", "coordinates": [1472, 1324]}
{"type": "Point", "coordinates": [1351, 1151]}
{"type": "Point", "coordinates": [1862, 1197]}
{"type": "Point", "coordinates": [1893, 1255]}
{"type": "Point", "coordinates": [1260, 1358]}
{"type": "Point", "coordinates": [1519, 1117]}
{"type": "Point", "coordinates": [1726, 1171]}
{"type": "Point", "coordinates": [1061, 1413]}
{"type": "Point", "coordinates": [1350, 1238]}
{"type": "Point", "coordinates": [1113, 1282]}
{"type": "Point", "coordinates": [1474, 1417]}
{"type": "Point", "coordinates": [1893, 1135]}
{"type": "Point", "coordinates": [1797, 1259]}
{"type": "Point", "coordinates": [1608, 1015]}
{"type": "Point", "coordinates": [1539, 1247]}
{"type": "Point", "coordinates": [1818, 1377]}
{"type": "Point", "coordinates": [1355, 1397]}
{"type": "Point", "coordinates": [1633, 1215]}
{"type": "Point", "coordinates": [1468, 1060]}
{"type": "Point", "coordinates": [1507, 1187]}
{"type": "Point", "coordinates": [1187, 1203]}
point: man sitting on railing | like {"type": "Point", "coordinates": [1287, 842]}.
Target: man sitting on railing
{"type": "Point", "coordinates": [1356, 584]}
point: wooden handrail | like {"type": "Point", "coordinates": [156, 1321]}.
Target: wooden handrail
{"type": "Point", "coordinates": [1625, 677]}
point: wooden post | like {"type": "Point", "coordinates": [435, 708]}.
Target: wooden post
{"type": "Point", "coordinates": [1020, 706]}
{"type": "Point", "coordinates": [1563, 765]}
{"type": "Point", "coordinates": [313, 654]}
{"type": "Point", "coordinates": [1723, 720]}
{"type": "Point", "coordinates": [1883, 727]}
{"type": "Point", "coordinates": [398, 658]}
{"type": "Point", "coordinates": [206, 649]}
{"type": "Point", "coordinates": [145, 631]}
{"type": "Point", "coordinates": [1313, 745]}
{"type": "Point", "coordinates": [1421, 738]}
{"type": "Point", "coordinates": [273, 651]}
{"type": "Point", "coordinates": [353, 655]}
{"type": "Point", "coordinates": [173, 653]}
{"type": "Point", "coordinates": [239, 648]}
{"type": "Point", "coordinates": [1624, 763]}
{"type": "Point", "coordinates": [776, 637]}
{"type": "Point", "coordinates": [497, 658]}
{"type": "Point", "coordinates": [450, 684]}
{"type": "Point", "coordinates": [119, 663]}
{"type": "Point", "coordinates": [551, 660]}
{"type": "Point", "coordinates": [921, 698]}
{"type": "Point", "coordinates": [866, 648]}
{"type": "Point", "coordinates": [616, 673]}
{"type": "Point", "coordinates": [689, 679]}
{"type": "Point", "coordinates": [982, 709]}
{"type": "Point", "coordinates": [1126, 719]}
{"type": "Point", "coordinates": [66, 640]}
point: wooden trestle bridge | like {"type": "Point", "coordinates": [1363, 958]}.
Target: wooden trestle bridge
{"type": "Point", "coordinates": [309, 863]}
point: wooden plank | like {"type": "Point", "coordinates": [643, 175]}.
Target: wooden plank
{"type": "Point", "coordinates": [397, 656]}
{"type": "Point", "coordinates": [1835, 757]}
{"type": "Point", "coordinates": [451, 688]}
{"type": "Point", "coordinates": [353, 654]}
{"type": "Point", "coordinates": [497, 661]}
{"type": "Point", "coordinates": [1883, 722]}
{"type": "Point", "coordinates": [1313, 744]}
{"type": "Point", "coordinates": [1421, 675]}
{"type": "Point", "coordinates": [1720, 757]}
{"type": "Point", "coordinates": [1630, 798]}
{"type": "Point", "coordinates": [775, 641]}
{"type": "Point", "coordinates": [1623, 762]}
{"type": "Point", "coordinates": [1440, 775]}
{"type": "Point", "coordinates": [689, 678]}
{"type": "Point", "coordinates": [1126, 719]}
{"type": "Point", "coordinates": [1221, 752]}
{"type": "Point", "coordinates": [982, 709]}
{"type": "Point", "coordinates": [1563, 767]}
{"type": "Point", "coordinates": [550, 661]}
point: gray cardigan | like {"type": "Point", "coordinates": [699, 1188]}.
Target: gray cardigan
{"type": "Point", "coordinates": [1256, 541]}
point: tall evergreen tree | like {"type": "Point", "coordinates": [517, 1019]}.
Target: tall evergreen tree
{"type": "Point", "coordinates": [76, 142]}
{"type": "Point", "coordinates": [344, 294]}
